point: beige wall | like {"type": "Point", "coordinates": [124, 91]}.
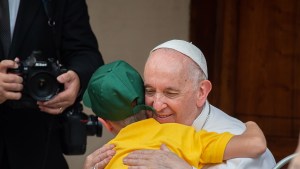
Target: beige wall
{"type": "Point", "coordinates": [128, 30]}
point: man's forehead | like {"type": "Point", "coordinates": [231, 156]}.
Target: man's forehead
{"type": "Point", "coordinates": [166, 78]}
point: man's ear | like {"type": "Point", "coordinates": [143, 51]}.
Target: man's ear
{"type": "Point", "coordinates": [106, 124]}
{"type": "Point", "coordinates": [204, 89]}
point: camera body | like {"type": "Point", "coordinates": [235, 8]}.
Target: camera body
{"type": "Point", "coordinates": [39, 76]}
{"type": "Point", "coordinates": [76, 127]}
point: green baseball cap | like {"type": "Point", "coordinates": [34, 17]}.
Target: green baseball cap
{"type": "Point", "coordinates": [113, 89]}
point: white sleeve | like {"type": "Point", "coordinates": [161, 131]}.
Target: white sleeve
{"type": "Point", "coordinates": [265, 161]}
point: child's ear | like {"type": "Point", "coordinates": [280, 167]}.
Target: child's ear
{"type": "Point", "coordinates": [106, 124]}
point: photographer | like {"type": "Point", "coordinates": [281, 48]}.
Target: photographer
{"type": "Point", "coordinates": [30, 129]}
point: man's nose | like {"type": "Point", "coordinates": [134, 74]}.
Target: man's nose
{"type": "Point", "coordinates": [159, 102]}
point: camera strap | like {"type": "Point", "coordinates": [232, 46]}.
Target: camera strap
{"type": "Point", "coordinates": [48, 7]}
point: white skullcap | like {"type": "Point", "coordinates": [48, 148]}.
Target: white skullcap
{"type": "Point", "coordinates": [187, 49]}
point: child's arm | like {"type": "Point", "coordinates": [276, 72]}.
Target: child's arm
{"type": "Point", "coordinates": [250, 144]}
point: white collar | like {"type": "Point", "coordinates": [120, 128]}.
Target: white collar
{"type": "Point", "coordinates": [201, 120]}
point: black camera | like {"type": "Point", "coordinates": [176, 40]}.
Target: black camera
{"type": "Point", "coordinates": [76, 127]}
{"type": "Point", "coordinates": [39, 76]}
{"type": "Point", "coordinates": [39, 80]}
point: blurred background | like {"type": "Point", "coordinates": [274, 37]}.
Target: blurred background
{"type": "Point", "coordinates": [252, 48]}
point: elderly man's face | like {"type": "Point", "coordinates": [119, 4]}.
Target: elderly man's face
{"type": "Point", "coordinates": [169, 89]}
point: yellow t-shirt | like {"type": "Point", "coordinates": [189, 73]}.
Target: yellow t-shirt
{"type": "Point", "coordinates": [196, 148]}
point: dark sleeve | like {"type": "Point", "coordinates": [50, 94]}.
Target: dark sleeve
{"type": "Point", "coordinates": [79, 46]}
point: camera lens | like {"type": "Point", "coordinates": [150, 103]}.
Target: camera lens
{"type": "Point", "coordinates": [43, 86]}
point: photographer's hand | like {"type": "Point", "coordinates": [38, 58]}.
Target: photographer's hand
{"type": "Point", "coordinates": [10, 84]}
{"type": "Point", "coordinates": [65, 98]}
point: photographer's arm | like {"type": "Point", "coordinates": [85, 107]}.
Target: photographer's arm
{"type": "Point", "coordinates": [79, 54]}
{"type": "Point", "coordinates": [65, 98]}
{"type": "Point", "coordinates": [10, 84]}
{"type": "Point", "coordinates": [250, 144]}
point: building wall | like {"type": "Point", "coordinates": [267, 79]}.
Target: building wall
{"type": "Point", "coordinates": [128, 30]}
